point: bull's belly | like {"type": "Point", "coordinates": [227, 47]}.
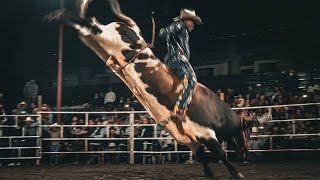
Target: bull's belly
{"type": "Point", "coordinates": [187, 132]}
{"type": "Point", "coordinates": [179, 134]}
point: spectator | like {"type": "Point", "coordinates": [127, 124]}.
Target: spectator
{"type": "Point", "coordinates": [240, 101]}
{"type": "Point", "coordinates": [112, 145]}
{"type": "Point", "coordinates": [96, 100]}
{"type": "Point", "coordinates": [166, 144]}
{"type": "Point", "coordinates": [30, 91]}
{"type": "Point", "coordinates": [247, 101]}
{"type": "Point", "coordinates": [146, 132]}
{"type": "Point", "coordinates": [1, 98]}
{"type": "Point", "coordinates": [254, 101]}
{"type": "Point", "coordinates": [55, 144]}
{"type": "Point", "coordinates": [316, 96]}
{"type": "Point", "coordinates": [3, 142]}
{"type": "Point", "coordinates": [91, 122]}
{"type": "Point", "coordinates": [3, 120]}
{"type": "Point", "coordinates": [30, 129]}
{"type": "Point", "coordinates": [261, 101]}
{"type": "Point", "coordinates": [99, 132]}
{"type": "Point", "coordinates": [127, 106]}
{"type": "Point", "coordinates": [121, 103]}
{"type": "Point", "coordinates": [76, 132]}
{"type": "Point", "coordinates": [109, 99]}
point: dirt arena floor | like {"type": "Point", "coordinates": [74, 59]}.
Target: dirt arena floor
{"type": "Point", "coordinates": [274, 171]}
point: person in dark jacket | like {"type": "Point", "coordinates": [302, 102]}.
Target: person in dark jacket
{"type": "Point", "coordinates": [178, 55]}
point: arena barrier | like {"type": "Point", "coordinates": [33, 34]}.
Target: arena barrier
{"type": "Point", "coordinates": [15, 142]}
{"type": "Point", "coordinates": [131, 140]}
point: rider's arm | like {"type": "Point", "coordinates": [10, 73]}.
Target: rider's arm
{"type": "Point", "coordinates": [173, 28]}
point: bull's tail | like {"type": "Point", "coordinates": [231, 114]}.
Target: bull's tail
{"type": "Point", "coordinates": [115, 7]}
{"type": "Point", "coordinates": [82, 7]}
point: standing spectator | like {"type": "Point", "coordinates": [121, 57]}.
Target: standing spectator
{"type": "Point", "coordinates": [1, 98]}
{"type": "Point", "coordinates": [78, 132]}
{"type": "Point", "coordinates": [30, 129]}
{"type": "Point", "coordinates": [3, 120]}
{"type": "Point", "coordinates": [30, 91]}
{"type": "Point", "coordinates": [146, 132]}
{"type": "Point", "coordinates": [3, 142]}
{"type": "Point", "coordinates": [109, 99]}
{"type": "Point", "coordinates": [95, 103]}
{"type": "Point", "coordinates": [55, 144]}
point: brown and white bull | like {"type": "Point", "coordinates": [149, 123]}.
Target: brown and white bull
{"type": "Point", "coordinates": [208, 121]}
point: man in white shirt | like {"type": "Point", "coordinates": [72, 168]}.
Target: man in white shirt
{"type": "Point", "coordinates": [109, 99]}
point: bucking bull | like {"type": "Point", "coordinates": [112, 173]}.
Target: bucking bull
{"type": "Point", "coordinates": [208, 120]}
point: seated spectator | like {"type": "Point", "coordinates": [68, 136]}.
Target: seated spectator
{"type": "Point", "coordinates": [91, 129]}
{"type": "Point", "coordinates": [254, 101]}
{"type": "Point", "coordinates": [99, 132]}
{"type": "Point", "coordinates": [247, 101]}
{"type": "Point", "coordinates": [240, 101]}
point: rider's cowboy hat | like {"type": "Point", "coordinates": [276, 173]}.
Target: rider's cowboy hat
{"type": "Point", "coordinates": [189, 14]}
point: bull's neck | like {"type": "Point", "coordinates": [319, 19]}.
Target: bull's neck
{"type": "Point", "coordinates": [152, 84]}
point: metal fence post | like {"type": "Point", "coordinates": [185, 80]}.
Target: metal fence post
{"type": "Point", "coordinates": [131, 122]}
{"type": "Point", "coordinates": [40, 138]}
{"type": "Point", "coordinates": [87, 118]}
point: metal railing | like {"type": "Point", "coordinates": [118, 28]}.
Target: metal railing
{"type": "Point", "coordinates": [131, 139]}
{"type": "Point", "coordinates": [18, 142]}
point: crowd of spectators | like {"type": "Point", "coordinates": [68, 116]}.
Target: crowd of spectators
{"type": "Point", "coordinates": [111, 101]}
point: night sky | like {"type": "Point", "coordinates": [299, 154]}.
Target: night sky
{"type": "Point", "coordinates": [288, 29]}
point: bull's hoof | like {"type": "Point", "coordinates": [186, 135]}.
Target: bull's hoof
{"type": "Point", "coordinates": [238, 176]}
{"type": "Point", "coordinates": [208, 173]}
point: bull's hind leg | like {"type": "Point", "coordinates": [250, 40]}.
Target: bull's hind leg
{"type": "Point", "coordinates": [199, 151]}
{"type": "Point", "coordinates": [214, 146]}
{"type": "Point", "coordinates": [202, 157]}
